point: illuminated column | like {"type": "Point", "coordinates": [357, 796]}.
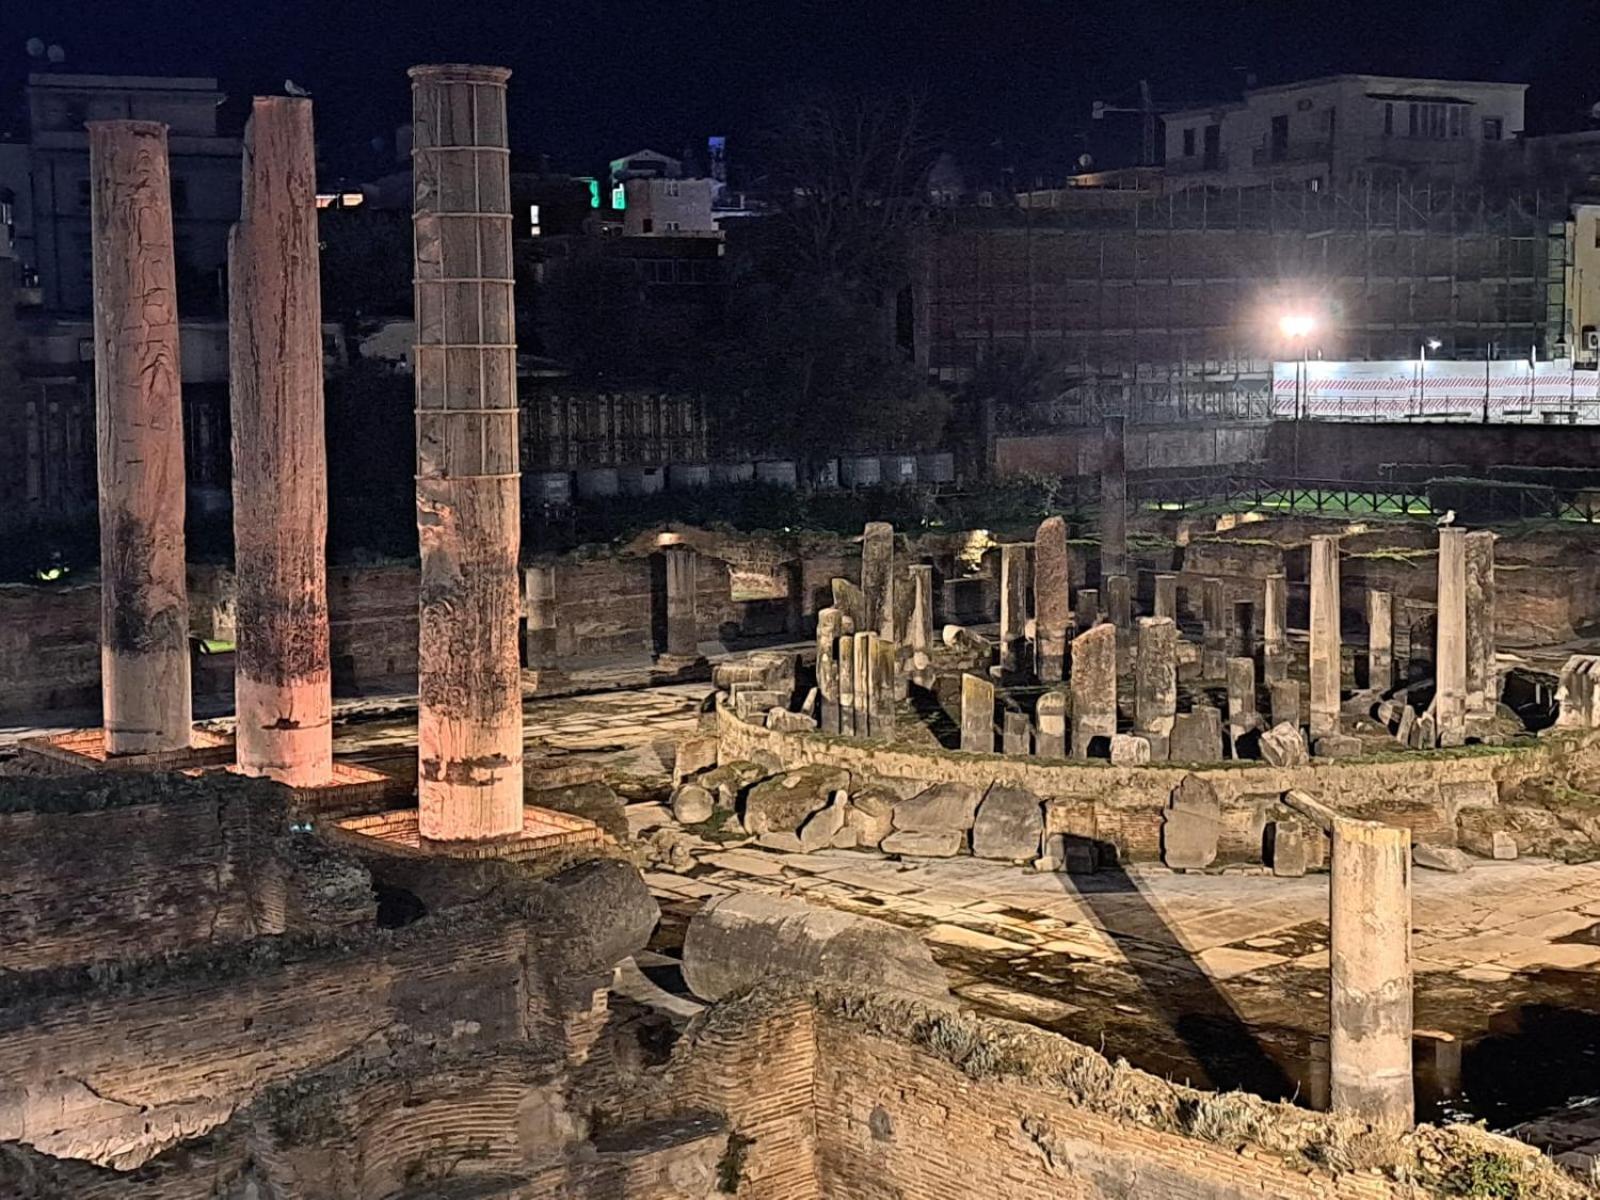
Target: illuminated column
{"type": "Point", "coordinates": [282, 687]}
{"type": "Point", "coordinates": [1324, 635]}
{"type": "Point", "coordinates": [683, 631]}
{"type": "Point", "coordinates": [1450, 657]}
{"type": "Point", "coordinates": [144, 600]}
{"type": "Point", "coordinates": [1369, 951]}
{"type": "Point", "coordinates": [469, 720]}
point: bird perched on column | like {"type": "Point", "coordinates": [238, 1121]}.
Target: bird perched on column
{"type": "Point", "coordinates": [1447, 520]}
{"type": "Point", "coordinates": [294, 89]}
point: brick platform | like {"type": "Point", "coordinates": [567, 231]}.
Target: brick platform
{"type": "Point", "coordinates": [353, 789]}
{"type": "Point", "coordinates": [543, 831]}
{"type": "Point", "coordinates": [79, 751]}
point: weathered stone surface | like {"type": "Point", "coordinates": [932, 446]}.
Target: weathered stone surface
{"type": "Point", "coordinates": [1440, 858]}
{"type": "Point", "coordinates": [1016, 734]}
{"type": "Point", "coordinates": [1191, 826]}
{"type": "Point", "coordinates": [692, 804]}
{"type": "Point", "coordinates": [1406, 727]}
{"type": "Point", "coordinates": [1275, 628]}
{"type": "Point", "coordinates": [1325, 657]}
{"type": "Point", "coordinates": [977, 714]}
{"type": "Point", "coordinates": [1072, 854]}
{"type": "Point", "coordinates": [829, 626]}
{"type": "Point", "coordinates": [1114, 497]}
{"type": "Point", "coordinates": [1284, 700]}
{"type": "Point", "coordinates": [695, 753]}
{"type": "Point", "coordinates": [1119, 601]}
{"type": "Point", "coordinates": [1197, 736]}
{"type": "Point", "coordinates": [852, 602]}
{"type": "Point", "coordinates": [1450, 654]}
{"type": "Point", "coordinates": [1013, 603]}
{"type": "Point", "coordinates": [1155, 685]}
{"type": "Point", "coordinates": [924, 845]}
{"type": "Point", "coordinates": [1129, 750]}
{"type": "Point", "coordinates": [1052, 581]}
{"type": "Point", "coordinates": [1086, 609]}
{"type": "Point", "coordinates": [1050, 717]}
{"type": "Point", "coordinates": [1008, 824]}
{"type": "Point", "coordinates": [1503, 845]}
{"type": "Point", "coordinates": [1482, 691]}
{"type": "Point", "coordinates": [822, 827]}
{"type": "Point", "coordinates": [785, 721]}
{"type": "Point", "coordinates": [1578, 693]}
{"type": "Point", "coordinates": [960, 638]}
{"type": "Point", "coordinates": [729, 781]}
{"type": "Point", "coordinates": [736, 942]}
{"type": "Point", "coordinates": [941, 808]}
{"type": "Point", "coordinates": [788, 843]}
{"type": "Point", "coordinates": [1290, 849]}
{"type": "Point", "coordinates": [1425, 733]}
{"type": "Point", "coordinates": [870, 818]}
{"type": "Point", "coordinates": [1380, 640]}
{"type": "Point", "coordinates": [753, 703]}
{"type": "Point", "coordinates": [1214, 630]}
{"type": "Point", "coordinates": [1283, 746]}
{"type": "Point", "coordinates": [1166, 597]}
{"type": "Point", "coordinates": [1337, 745]}
{"type": "Point", "coordinates": [1094, 688]}
{"type": "Point", "coordinates": [877, 579]}
{"type": "Point", "coordinates": [781, 804]}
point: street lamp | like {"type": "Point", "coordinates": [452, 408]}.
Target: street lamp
{"type": "Point", "coordinates": [1422, 374]}
{"type": "Point", "coordinates": [1298, 327]}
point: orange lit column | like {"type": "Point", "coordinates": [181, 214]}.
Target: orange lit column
{"type": "Point", "coordinates": [282, 688]}
{"type": "Point", "coordinates": [469, 721]}
{"type": "Point", "coordinates": [144, 599]}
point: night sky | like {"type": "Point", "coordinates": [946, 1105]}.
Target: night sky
{"type": "Point", "coordinates": [1010, 81]}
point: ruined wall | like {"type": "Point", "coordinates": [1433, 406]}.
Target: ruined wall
{"type": "Point", "coordinates": [1189, 449]}
{"type": "Point", "coordinates": [49, 649]}
{"type": "Point", "coordinates": [1125, 805]}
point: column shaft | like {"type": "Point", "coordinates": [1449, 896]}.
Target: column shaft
{"type": "Point", "coordinates": [1450, 657]}
{"type": "Point", "coordinates": [683, 628]}
{"type": "Point", "coordinates": [1324, 636]}
{"type": "Point", "coordinates": [1113, 499]}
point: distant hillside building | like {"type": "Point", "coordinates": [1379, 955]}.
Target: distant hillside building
{"type": "Point", "coordinates": [1345, 129]}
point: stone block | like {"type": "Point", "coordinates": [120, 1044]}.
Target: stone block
{"type": "Point", "coordinates": [924, 845]}
{"type": "Point", "coordinates": [1016, 736]}
{"type": "Point", "coordinates": [822, 827]}
{"type": "Point", "coordinates": [1440, 858]}
{"type": "Point", "coordinates": [942, 808]}
{"type": "Point", "coordinates": [753, 703]}
{"type": "Point", "coordinates": [1129, 750]}
{"type": "Point", "coordinates": [1289, 848]}
{"type": "Point", "coordinates": [1283, 746]}
{"type": "Point", "coordinates": [1424, 734]}
{"type": "Point", "coordinates": [869, 828]}
{"type": "Point", "coordinates": [1405, 725]}
{"type": "Point", "coordinates": [692, 804]}
{"type": "Point", "coordinates": [1050, 714]}
{"type": "Point", "coordinates": [1008, 824]}
{"type": "Point", "coordinates": [695, 753]}
{"type": "Point", "coordinates": [1502, 845]}
{"type": "Point", "coordinates": [789, 843]}
{"type": "Point", "coordinates": [977, 714]}
{"type": "Point", "coordinates": [1191, 826]}
{"type": "Point", "coordinates": [1337, 745]}
{"type": "Point", "coordinates": [1196, 736]}
{"type": "Point", "coordinates": [1072, 854]}
{"type": "Point", "coordinates": [781, 804]}
{"type": "Point", "coordinates": [784, 721]}
{"type": "Point", "coordinates": [1283, 697]}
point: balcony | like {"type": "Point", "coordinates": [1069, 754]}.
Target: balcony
{"type": "Point", "coordinates": [1294, 152]}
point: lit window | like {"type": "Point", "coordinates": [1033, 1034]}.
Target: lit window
{"type": "Point", "coordinates": [533, 221]}
{"type": "Point", "coordinates": [672, 187]}
{"type": "Point", "coordinates": [619, 198]}
{"type": "Point", "coordinates": [673, 226]}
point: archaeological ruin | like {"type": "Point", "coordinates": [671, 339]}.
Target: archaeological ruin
{"type": "Point", "coordinates": [1129, 848]}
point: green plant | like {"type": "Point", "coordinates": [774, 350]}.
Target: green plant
{"type": "Point", "coordinates": [730, 1167]}
{"type": "Point", "coordinates": [1491, 1175]}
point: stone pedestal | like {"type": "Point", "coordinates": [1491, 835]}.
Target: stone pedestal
{"type": "Point", "coordinates": [1050, 720]}
{"type": "Point", "coordinates": [469, 711]}
{"type": "Point", "coordinates": [1275, 629]}
{"type": "Point", "coordinates": [283, 690]}
{"type": "Point", "coordinates": [846, 668]}
{"type": "Point", "coordinates": [1113, 499]}
{"type": "Point", "coordinates": [144, 601]}
{"type": "Point", "coordinates": [919, 625]}
{"type": "Point", "coordinates": [862, 664]}
{"type": "Point", "coordinates": [1324, 636]}
{"type": "Point", "coordinates": [683, 622]}
{"type": "Point", "coordinates": [882, 675]}
{"type": "Point", "coordinates": [1119, 602]}
{"type": "Point", "coordinates": [977, 714]}
{"type": "Point", "coordinates": [1051, 600]}
{"type": "Point", "coordinates": [1482, 695]}
{"type": "Point", "coordinates": [1214, 632]}
{"type": "Point", "coordinates": [1155, 683]}
{"type": "Point", "coordinates": [1370, 958]}
{"type": "Point", "coordinates": [1013, 605]}
{"type": "Point", "coordinates": [1380, 641]}
{"type": "Point", "coordinates": [828, 633]}
{"type": "Point", "coordinates": [1243, 715]}
{"type": "Point", "coordinates": [1094, 688]}
{"type": "Point", "coordinates": [539, 650]}
{"type": "Point", "coordinates": [1450, 656]}
{"type": "Point", "coordinates": [1015, 734]}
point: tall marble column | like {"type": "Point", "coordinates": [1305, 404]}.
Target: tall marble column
{"type": "Point", "coordinates": [1324, 635]}
{"type": "Point", "coordinates": [469, 718]}
{"type": "Point", "coordinates": [1380, 640]}
{"type": "Point", "coordinates": [1450, 657]}
{"type": "Point", "coordinates": [1275, 629]}
{"type": "Point", "coordinates": [283, 686]}
{"type": "Point", "coordinates": [1482, 695]}
{"type": "Point", "coordinates": [144, 595]}
{"type": "Point", "coordinates": [1051, 602]}
{"type": "Point", "coordinates": [683, 621]}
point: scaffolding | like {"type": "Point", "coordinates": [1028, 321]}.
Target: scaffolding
{"type": "Point", "coordinates": [1167, 306]}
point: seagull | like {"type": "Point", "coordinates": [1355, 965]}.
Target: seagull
{"type": "Point", "coordinates": [294, 89]}
{"type": "Point", "coordinates": [1447, 520]}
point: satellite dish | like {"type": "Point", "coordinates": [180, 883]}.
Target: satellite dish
{"type": "Point", "coordinates": [56, 54]}
{"type": "Point", "coordinates": [35, 47]}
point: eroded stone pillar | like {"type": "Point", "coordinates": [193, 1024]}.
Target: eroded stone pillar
{"type": "Point", "coordinates": [1119, 602]}
{"type": "Point", "coordinates": [1155, 684]}
{"type": "Point", "coordinates": [1094, 687]}
{"type": "Point", "coordinates": [828, 629]}
{"type": "Point", "coordinates": [1450, 656]}
{"type": "Point", "coordinates": [1052, 606]}
{"type": "Point", "coordinates": [1482, 694]}
{"type": "Point", "coordinates": [1370, 968]}
{"type": "Point", "coordinates": [144, 600]}
{"type": "Point", "coordinates": [877, 577]}
{"type": "Point", "coordinates": [977, 714]}
{"type": "Point", "coordinates": [919, 625]}
{"type": "Point", "coordinates": [1214, 632]}
{"type": "Point", "coordinates": [1243, 712]}
{"type": "Point", "coordinates": [469, 715]}
{"type": "Point", "coordinates": [683, 621]}
{"type": "Point", "coordinates": [866, 652]}
{"type": "Point", "coordinates": [1013, 604]}
{"type": "Point", "coordinates": [283, 691]}
{"type": "Point", "coordinates": [1166, 597]}
{"type": "Point", "coordinates": [1324, 664]}
{"type": "Point", "coordinates": [1380, 640]}
{"type": "Point", "coordinates": [847, 681]}
{"type": "Point", "coordinates": [1275, 629]}
{"type": "Point", "coordinates": [1050, 717]}
{"type": "Point", "coordinates": [1086, 611]}
{"type": "Point", "coordinates": [1113, 499]}
{"type": "Point", "coordinates": [882, 673]}
{"type": "Point", "coordinates": [539, 616]}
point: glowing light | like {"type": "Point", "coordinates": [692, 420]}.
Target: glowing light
{"type": "Point", "coordinates": [619, 198]}
{"type": "Point", "coordinates": [1434, 343]}
{"type": "Point", "coordinates": [1297, 325]}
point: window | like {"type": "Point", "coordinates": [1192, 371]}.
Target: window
{"type": "Point", "coordinates": [647, 226]}
{"type": "Point", "coordinates": [672, 187]}
{"type": "Point", "coordinates": [533, 221]}
{"type": "Point", "coordinates": [673, 227]}
{"type": "Point", "coordinates": [1188, 143]}
{"type": "Point", "coordinates": [1213, 147]}
{"type": "Point", "coordinates": [1456, 122]}
{"type": "Point", "coordinates": [1278, 145]}
{"type": "Point", "coordinates": [1388, 119]}
{"type": "Point", "coordinates": [1437, 121]}
{"type": "Point", "coordinates": [1493, 128]}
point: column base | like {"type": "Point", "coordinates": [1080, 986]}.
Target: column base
{"type": "Point", "coordinates": [83, 751]}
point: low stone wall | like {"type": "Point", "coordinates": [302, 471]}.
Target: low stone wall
{"type": "Point", "coordinates": [1124, 805]}
{"type": "Point", "coordinates": [149, 863]}
{"type": "Point", "coordinates": [1191, 448]}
